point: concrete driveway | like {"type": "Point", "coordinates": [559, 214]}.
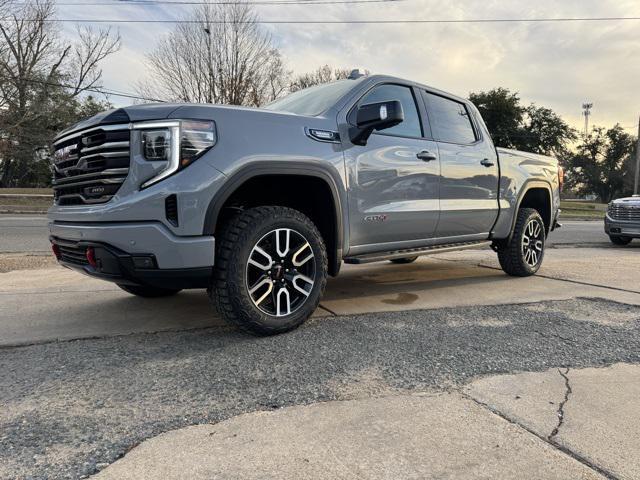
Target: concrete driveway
{"type": "Point", "coordinates": [445, 367]}
{"type": "Point", "coordinates": [48, 304]}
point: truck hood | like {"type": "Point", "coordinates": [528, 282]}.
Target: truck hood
{"type": "Point", "coordinates": [161, 111]}
{"type": "Point", "coordinates": [630, 201]}
{"type": "Point", "coordinates": [133, 113]}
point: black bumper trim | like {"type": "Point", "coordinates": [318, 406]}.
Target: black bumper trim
{"type": "Point", "coordinates": [115, 265]}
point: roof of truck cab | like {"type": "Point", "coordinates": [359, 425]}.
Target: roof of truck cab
{"type": "Point", "coordinates": [379, 78]}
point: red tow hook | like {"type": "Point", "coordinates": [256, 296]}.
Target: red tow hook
{"type": "Point", "coordinates": [91, 257]}
{"type": "Point", "coordinates": [56, 250]}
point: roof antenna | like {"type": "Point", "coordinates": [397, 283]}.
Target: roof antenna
{"type": "Point", "coordinates": [357, 73]}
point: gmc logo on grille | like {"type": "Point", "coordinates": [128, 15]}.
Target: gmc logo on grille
{"type": "Point", "coordinates": [94, 191]}
{"type": "Point", "coordinates": [62, 154]}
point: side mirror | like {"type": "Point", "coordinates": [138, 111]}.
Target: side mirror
{"type": "Point", "coordinates": [375, 116]}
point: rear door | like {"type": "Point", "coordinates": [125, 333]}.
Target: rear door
{"type": "Point", "coordinates": [468, 168]}
{"type": "Point", "coordinates": [393, 179]}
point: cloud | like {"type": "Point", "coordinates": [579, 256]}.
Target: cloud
{"type": "Point", "coordinates": [558, 65]}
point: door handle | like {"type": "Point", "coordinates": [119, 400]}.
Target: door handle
{"type": "Point", "coordinates": [487, 163]}
{"type": "Point", "coordinates": [426, 156]}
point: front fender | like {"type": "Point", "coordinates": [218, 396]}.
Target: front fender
{"type": "Point", "coordinates": [330, 175]}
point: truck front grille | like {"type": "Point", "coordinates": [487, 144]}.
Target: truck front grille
{"type": "Point", "coordinates": [623, 212]}
{"type": "Point", "coordinates": [90, 166]}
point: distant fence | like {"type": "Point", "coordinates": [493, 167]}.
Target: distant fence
{"type": "Point", "coordinates": [25, 202]}
{"type": "Point", "coordinates": [26, 195]}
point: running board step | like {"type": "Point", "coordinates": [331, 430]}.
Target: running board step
{"type": "Point", "coordinates": [414, 252]}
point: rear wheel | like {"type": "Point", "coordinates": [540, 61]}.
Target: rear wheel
{"type": "Point", "coordinates": [405, 260]}
{"type": "Point", "coordinates": [271, 270]}
{"type": "Point", "coordinates": [148, 292]}
{"type": "Point", "coordinates": [523, 256]}
{"type": "Point", "coordinates": [618, 240]}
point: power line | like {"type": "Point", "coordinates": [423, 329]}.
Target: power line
{"type": "Point", "coordinates": [103, 91]}
{"type": "Point", "coordinates": [221, 2]}
{"type": "Point", "coordinates": [351, 22]}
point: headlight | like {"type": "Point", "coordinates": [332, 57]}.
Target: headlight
{"type": "Point", "coordinates": [156, 144]}
{"type": "Point", "coordinates": [196, 138]}
{"type": "Point", "coordinates": [178, 143]}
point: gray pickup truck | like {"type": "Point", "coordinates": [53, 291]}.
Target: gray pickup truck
{"type": "Point", "coordinates": [259, 206]}
{"type": "Point", "coordinates": [622, 220]}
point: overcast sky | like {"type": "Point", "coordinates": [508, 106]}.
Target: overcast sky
{"type": "Point", "coordinates": [557, 65]}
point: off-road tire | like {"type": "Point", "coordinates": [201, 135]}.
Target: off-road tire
{"type": "Point", "coordinates": [620, 240]}
{"type": "Point", "coordinates": [403, 261]}
{"type": "Point", "coordinates": [148, 292]}
{"type": "Point", "coordinates": [511, 257]}
{"type": "Point", "coordinates": [229, 291]}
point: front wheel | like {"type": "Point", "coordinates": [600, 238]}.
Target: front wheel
{"type": "Point", "coordinates": [618, 240]}
{"type": "Point", "coordinates": [271, 270]}
{"type": "Point", "coordinates": [523, 256]}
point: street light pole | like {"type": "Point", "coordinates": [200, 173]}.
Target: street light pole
{"type": "Point", "coordinates": [635, 183]}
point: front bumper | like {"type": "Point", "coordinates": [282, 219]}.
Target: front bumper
{"type": "Point", "coordinates": [172, 262]}
{"type": "Point", "coordinates": [617, 227]}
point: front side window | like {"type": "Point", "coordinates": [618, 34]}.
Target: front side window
{"type": "Point", "coordinates": [410, 127]}
{"type": "Point", "coordinates": [450, 120]}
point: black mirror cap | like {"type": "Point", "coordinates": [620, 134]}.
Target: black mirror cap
{"type": "Point", "coordinates": [375, 116]}
{"type": "Point", "coordinates": [380, 115]}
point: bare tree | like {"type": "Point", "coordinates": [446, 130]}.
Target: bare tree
{"type": "Point", "coordinates": [92, 47]}
{"type": "Point", "coordinates": [41, 78]}
{"type": "Point", "coordinates": [322, 74]}
{"type": "Point", "coordinates": [227, 58]}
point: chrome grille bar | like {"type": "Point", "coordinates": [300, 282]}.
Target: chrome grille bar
{"type": "Point", "coordinates": [91, 164]}
{"type": "Point", "coordinates": [624, 212]}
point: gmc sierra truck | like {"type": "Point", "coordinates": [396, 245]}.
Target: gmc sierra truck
{"type": "Point", "coordinates": [622, 220]}
{"type": "Point", "coordinates": [260, 205]}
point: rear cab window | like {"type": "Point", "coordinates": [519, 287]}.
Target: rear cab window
{"type": "Point", "coordinates": [450, 120]}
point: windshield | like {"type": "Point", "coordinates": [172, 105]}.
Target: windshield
{"type": "Point", "coordinates": [313, 100]}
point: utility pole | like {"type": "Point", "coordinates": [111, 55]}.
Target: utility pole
{"type": "Point", "coordinates": [635, 183]}
{"type": "Point", "coordinates": [207, 31]}
{"type": "Point", "coordinates": [586, 107]}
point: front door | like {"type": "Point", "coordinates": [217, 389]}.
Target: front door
{"type": "Point", "coordinates": [469, 171]}
{"type": "Point", "coordinates": [393, 180]}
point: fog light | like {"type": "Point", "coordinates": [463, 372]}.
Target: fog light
{"type": "Point", "coordinates": [91, 257]}
{"type": "Point", "coordinates": [144, 262]}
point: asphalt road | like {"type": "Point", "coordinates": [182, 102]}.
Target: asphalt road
{"type": "Point", "coordinates": [28, 233]}
{"type": "Point", "coordinates": [579, 232]}
{"type": "Point", "coordinates": [23, 233]}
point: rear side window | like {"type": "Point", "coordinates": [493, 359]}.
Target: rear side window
{"type": "Point", "coordinates": [410, 127]}
{"type": "Point", "coordinates": [450, 120]}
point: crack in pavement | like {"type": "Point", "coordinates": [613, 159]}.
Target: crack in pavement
{"type": "Point", "coordinates": [569, 280]}
{"type": "Point", "coordinates": [561, 412]}
{"type": "Point", "coordinates": [328, 310]}
{"type": "Point", "coordinates": [567, 451]}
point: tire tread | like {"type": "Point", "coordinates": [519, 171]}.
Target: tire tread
{"type": "Point", "coordinates": [510, 256]}
{"type": "Point", "coordinates": [236, 309]}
